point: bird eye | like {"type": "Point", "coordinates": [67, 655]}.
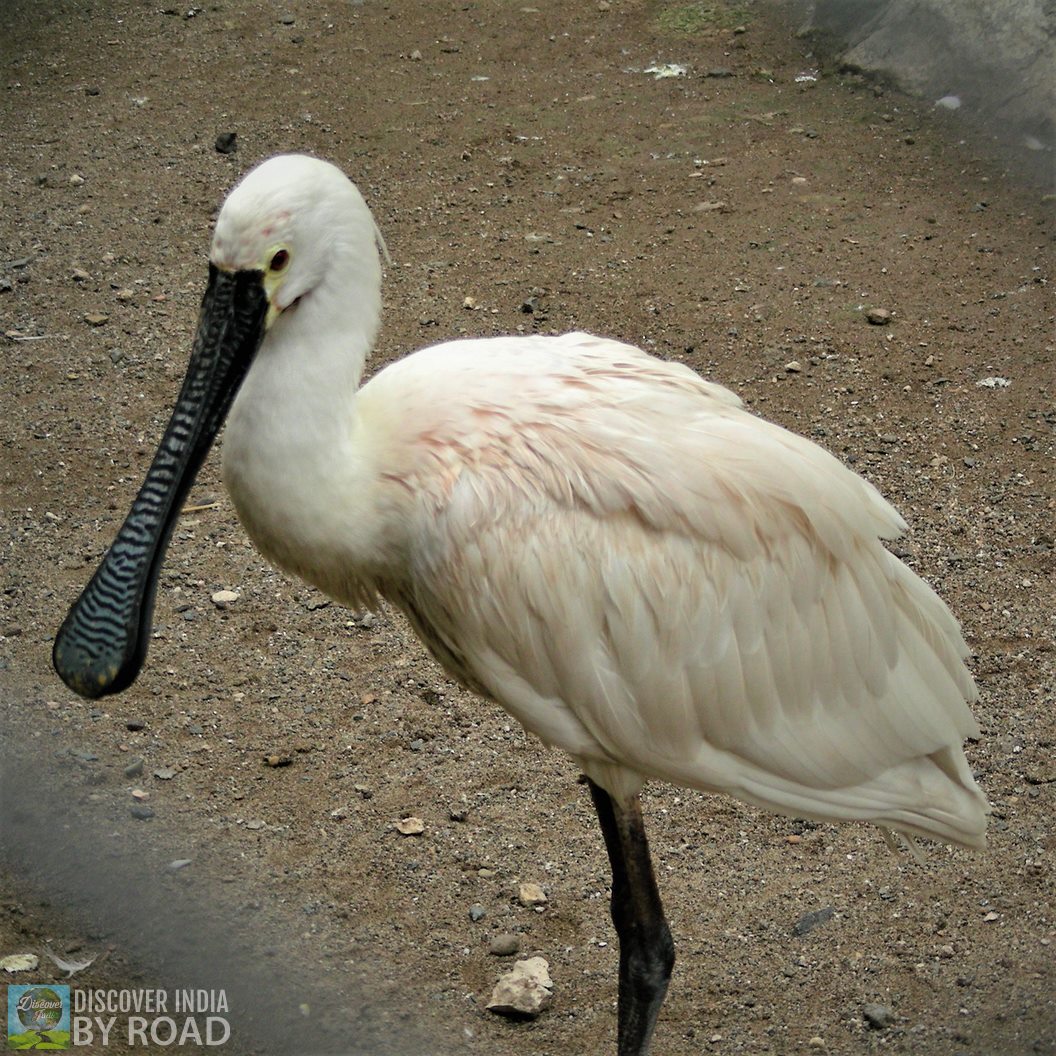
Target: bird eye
{"type": "Point", "coordinates": [280, 260]}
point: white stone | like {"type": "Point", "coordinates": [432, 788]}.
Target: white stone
{"type": "Point", "coordinates": [525, 991]}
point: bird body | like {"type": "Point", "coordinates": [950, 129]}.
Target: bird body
{"type": "Point", "coordinates": [642, 572]}
{"type": "Point", "coordinates": [637, 568]}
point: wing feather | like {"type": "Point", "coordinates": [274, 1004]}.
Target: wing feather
{"type": "Point", "coordinates": [647, 575]}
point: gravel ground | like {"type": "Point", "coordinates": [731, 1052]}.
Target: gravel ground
{"type": "Point", "coordinates": [528, 176]}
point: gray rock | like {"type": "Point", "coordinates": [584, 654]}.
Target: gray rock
{"type": "Point", "coordinates": [809, 921]}
{"type": "Point", "coordinates": [504, 945]}
{"type": "Point", "coordinates": [984, 43]}
{"type": "Point", "coordinates": [878, 1017]}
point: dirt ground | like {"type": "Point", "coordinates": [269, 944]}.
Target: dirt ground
{"type": "Point", "coordinates": [528, 175]}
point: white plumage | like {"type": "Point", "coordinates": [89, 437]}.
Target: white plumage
{"type": "Point", "coordinates": [638, 569]}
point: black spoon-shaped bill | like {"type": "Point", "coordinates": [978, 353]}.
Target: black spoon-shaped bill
{"type": "Point", "coordinates": [102, 643]}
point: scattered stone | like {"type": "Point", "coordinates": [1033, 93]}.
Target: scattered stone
{"type": "Point", "coordinates": [226, 143]}
{"type": "Point", "coordinates": [80, 275]}
{"type": "Point", "coordinates": [76, 180]}
{"type": "Point", "coordinates": [278, 760]}
{"type": "Point", "coordinates": [809, 921]}
{"type": "Point", "coordinates": [878, 1017]}
{"type": "Point", "coordinates": [222, 598]}
{"type": "Point", "coordinates": [878, 316]}
{"type": "Point", "coordinates": [525, 991]}
{"type": "Point", "coordinates": [141, 812]}
{"type": "Point", "coordinates": [719, 72]}
{"type": "Point", "coordinates": [416, 56]}
{"type": "Point", "coordinates": [993, 383]}
{"type": "Point", "coordinates": [96, 318]}
{"type": "Point", "coordinates": [139, 795]}
{"type": "Point", "coordinates": [179, 863]}
{"type": "Point", "coordinates": [135, 724]}
{"type": "Point", "coordinates": [504, 945]}
{"type": "Point", "coordinates": [165, 773]}
{"type": "Point", "coordinates": [255, 824]}
{"type": "Point", "coordinates": [134, 768]}
{"type": "Point", "coordinates": [477, 912]}
{"type": "Point", "coordinates": [949, 102]}
{"type": "Point", "coordinates": [816, 1042]}
{"type": "Point", "coordinates": [990, 917]}
{"type": "Point", "coordinates": [124, 295]}
{"type": "Point", "coordinates": [530, 894]}
{"type": "Point", "coordinates": [410, 826]}
{"type": "Point", "coordinates": [794, 367]}
{"type": "Point", "coordinates": [287, 20]}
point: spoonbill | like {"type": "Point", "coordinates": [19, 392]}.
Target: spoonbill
{"type": "Point", "coordinates": [633, 565]}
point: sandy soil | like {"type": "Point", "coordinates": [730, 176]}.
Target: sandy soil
{"type": "Point", "coordinates": [515, 153]}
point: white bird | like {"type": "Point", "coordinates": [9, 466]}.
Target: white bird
{"type": "Point", "coordinates": [635, 567]}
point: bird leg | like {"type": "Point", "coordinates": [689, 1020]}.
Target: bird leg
{"type": "Point", "coordinates": [647, 953]}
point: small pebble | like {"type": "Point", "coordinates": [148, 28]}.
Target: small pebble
{"type": "Point", "coordinates": [179, 863]}
{"type": "Point", "coordinates": [809, 921]}
{"type": "Point", "coordinates": [76, 180]}
{"type": "Point", "coordinates": [410, 826]}
{"type": "Point", "coordinates": [165, 773]}
{"type": "Point", "coordinates": [222, 598]}
{"type": "Point", "coordinates": [135, 724]}
{"type": "Point", "coordinates": [142, 812]}
{"type": "Point", "coordinates": [794, 367]}
{"type": "Point", "coordinates": [134, 768]}
{"type": "Point", "coordinates": [504, 945]}
{"type": "Point", "coordinates": [878, 1017]}
{"type": "Point", "coordinates": [878, 316]}
{"type": "Point", "coordinates": [530, 894]}
{"type": "Point", "coordinates": [226, 143]}
{"type": "Point", "coordinates": [477, 912]}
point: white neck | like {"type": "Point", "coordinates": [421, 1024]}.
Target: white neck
{"type": "Point", "coordinates": [289, 457]}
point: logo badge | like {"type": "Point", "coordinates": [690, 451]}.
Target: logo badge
{"type": "Point", "coordinates": [38, 1018]}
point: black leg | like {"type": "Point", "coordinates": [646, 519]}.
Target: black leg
{"type": "Point", "coordinates": [647, 953]}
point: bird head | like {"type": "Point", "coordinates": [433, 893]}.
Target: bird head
{"type": "Point", "coordinates": [294, 231]}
